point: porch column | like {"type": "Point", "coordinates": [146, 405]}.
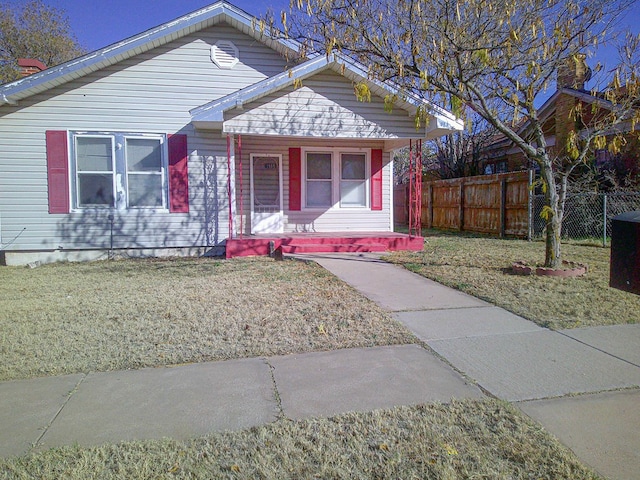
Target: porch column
{"type": "Point", "coordinates": [231, 182]}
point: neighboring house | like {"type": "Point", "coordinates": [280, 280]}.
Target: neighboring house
{"type": "Point", "coordinates": [503, 156]}
{"type": "Point", "coordinates": [193, 133]}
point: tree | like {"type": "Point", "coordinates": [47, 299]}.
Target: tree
{"type": "Point", "coordinates": [461, 153]}
{"type": "Point", "coordinates": [36, 31]}
{"type": "Point", "coordinates": [490, 56]}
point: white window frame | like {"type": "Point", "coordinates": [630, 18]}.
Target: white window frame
{"type": "Point", "coordinates": [120, 170]}
{"type": "Point", "coordinates": [336, 176]}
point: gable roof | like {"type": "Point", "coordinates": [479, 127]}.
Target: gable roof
{"type": "Point", "coordinates": [219, 12]}
{"type": "Point", "coordinates": [211, 115]}
{"type": "Point", "coordinates": [546, 111]}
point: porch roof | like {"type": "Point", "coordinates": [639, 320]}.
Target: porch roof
{"type": "Point", "coordinates": [212, 114]}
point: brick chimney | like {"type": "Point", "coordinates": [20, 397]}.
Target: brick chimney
{"type": "Point", "coordinates": [29, 66]}
{"type": "Point", "coordinates": [574, 72]}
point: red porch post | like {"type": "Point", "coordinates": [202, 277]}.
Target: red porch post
{"type": "Point", "coordinates": [415, 189]}
{"type": "Point", "coordinates": [229, 189]}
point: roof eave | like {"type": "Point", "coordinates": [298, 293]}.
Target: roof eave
{"type": "Point", "coordinates": [213, 112]}
{"type": "Point", "coordinates": [216, 13]}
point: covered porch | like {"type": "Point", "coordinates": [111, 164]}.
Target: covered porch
{"type": "Point", "coordinates": [312, 242]}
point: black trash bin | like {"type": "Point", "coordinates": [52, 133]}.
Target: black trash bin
{"type": "Point", "coordinates": [624, 272]}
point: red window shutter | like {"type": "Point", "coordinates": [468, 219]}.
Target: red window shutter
{"type": "Point", "coordinates": [178, 174]}
{"type": "Point", "coordinates": [295, 178]}
{"type": "Point", "coordinates": [58, 170]}
{"type": "Point", "coordinates": [376, 179]}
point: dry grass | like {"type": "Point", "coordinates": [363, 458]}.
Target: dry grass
{"type": "Point", "coordinates": [66, 318]}
{"type": "Point", "coordinates": [480, 266]}
{"type": "Point", "coordinates": [468, 439]}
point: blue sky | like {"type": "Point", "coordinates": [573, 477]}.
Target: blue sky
{"type": "Point", "coordinates": [97, 24]}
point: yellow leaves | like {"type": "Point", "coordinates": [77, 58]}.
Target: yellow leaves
{"type": "Point", "coordinates": [297, 83]}
{"type": "Point", "coordinates": [456, 106]}
{"type": "Point", "coordinates": [450, 450]}
{"type": "Point", "coordinates": [384, 446]}
{"type": "Point", "coordinates": [547, 213]}
{"type": "Point", "coordinates": [389, 101]}
{"type": "Point", "coordinates": [513, 35]}
{"type": "Point", "coordinates": [235, 468]}
{"type": "Point", "coordinates": [616, 144]}
{"type": "Point", "coordinates": [362, 91]}
{"type": "Point", "coordinates": [482, 55]}
{"type": "Point", "coordinates": [572, 145]}
{"type": "Point", "coordinates": [616, 84]}
{"type": "Point", "coordinates": [321, 329]}
{"type": "Point", "coordinates": [600, 142]}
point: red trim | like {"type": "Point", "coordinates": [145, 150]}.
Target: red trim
{"type": "Point", "coordinates": [58, 170]}
{"type": "Point", "coordinates": [178, 174]}
{"type": "Point", "coordinates": [376, 179]}
{"type": "Point", "coordinates": [31, 63]}
{"type": "Point", "coordinates": [295, 179]}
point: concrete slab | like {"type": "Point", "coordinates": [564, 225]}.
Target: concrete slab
{"type": "Point", "coordinates": [328, 383]}
{"type": "Point", "coordinates": [601, 429]}
{"type": "Point", "coordinates": [27, 407]}
{"type": "Point", "coordinates": [180, 402]}
{"type": "Point", "coordinates": [623, 341]}
{"type": "Point", "coordinates": [464, 322]}
{"type": "Point", "coordinates": [390, 286]}
{"type": "Point", "coordinates": [534, 365]}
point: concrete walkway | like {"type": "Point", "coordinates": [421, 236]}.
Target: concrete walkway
{"type": "Point", "coordinates": [582, 385]}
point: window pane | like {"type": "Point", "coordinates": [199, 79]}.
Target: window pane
{"type": "Point", "coordinates": [93, 154]}
{"type": "Point", "coordinates": [353, 194]}
{"type": "Point", "coordinates": [318, 194]}
{"type": "Point", "coordinates": [95, 189]}
{"type": "Point", "coordinates": [319, 166]}
{"type": "Point", "coordinates": [145, 190]}
{"type": "Point", "coordinates": [353, 166]}
{"type": "Point", "coordinates": [144, 155]}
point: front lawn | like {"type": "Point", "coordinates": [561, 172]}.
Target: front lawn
{"type": "Point", "coordinates": [110, 315]}
{"type": "Point", "coordinates": [480, 266]}
{"type": "Point", "coordinates": [471, 439]}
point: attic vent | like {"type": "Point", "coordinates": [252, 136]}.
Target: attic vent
{"type": "Point", "coordinates": [224, 54]}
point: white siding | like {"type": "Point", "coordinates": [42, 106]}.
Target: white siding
{"type": "Point", "coordinates": [325, 106]}
{"type": "Point", "coordinates": [330, 220]}
{"type": "Point", "coordinates": [152, 92]}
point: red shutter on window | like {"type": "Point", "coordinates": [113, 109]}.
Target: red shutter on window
{"type": "Point", "coordinates": [295, 178]}
{"type": "Point", "coordinates": [58, 170]}
{"type": "Point", "coordinates": [178, 174]}
{"type": "Point", "coordinates": [376, 179]}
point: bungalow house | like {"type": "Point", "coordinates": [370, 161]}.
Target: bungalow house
{"type": "Point", "coordinates": [202, 135]}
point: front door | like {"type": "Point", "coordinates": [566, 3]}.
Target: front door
{"type": "Point", "coordinates": [266, 194]}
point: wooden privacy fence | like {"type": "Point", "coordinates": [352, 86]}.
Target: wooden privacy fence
{"type": "Point", "coordinates": [493, 204]}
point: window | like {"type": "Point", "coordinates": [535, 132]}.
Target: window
{"type": "Point", "coordinates": [95, 168]}
{"type": "Point", "coordinates": [336, 178]}
{"type": "Point", "coordinates": [353, 175]}
{"type": "Point", "coordinates": [319, 181]}
{"type": "Point", "coordinates": [119, 170]}
{"type": "Point", "coordinates": [144, 172]}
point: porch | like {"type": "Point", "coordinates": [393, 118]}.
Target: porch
{"type": "Point", "coordinates": [312, 242]}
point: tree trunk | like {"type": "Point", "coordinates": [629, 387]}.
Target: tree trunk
{"type": "Point", "coordinates": [553, 254]}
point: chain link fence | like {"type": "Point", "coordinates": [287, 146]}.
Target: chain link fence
{"type": "Point", "coordinates": [587, 216]}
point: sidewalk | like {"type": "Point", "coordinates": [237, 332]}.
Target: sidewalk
{"type": "Point", "coordinates": [480, 348]}
{"type": "Point", "coordinates": [582, 385]}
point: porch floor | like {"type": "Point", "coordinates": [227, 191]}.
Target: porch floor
{"type": "Point", "coordinates": [314, 242]}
